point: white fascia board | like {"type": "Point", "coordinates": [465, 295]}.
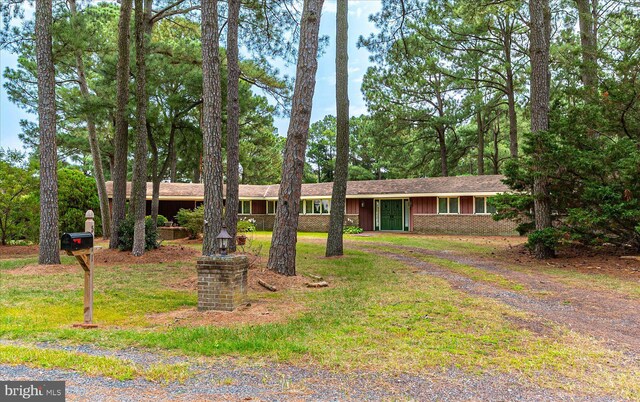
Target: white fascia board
{"type": "Point", "coordinates": [418, 195]}
{"type": "Point", "coordinates": [353, 196]}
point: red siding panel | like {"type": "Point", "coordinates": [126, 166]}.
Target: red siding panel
{"type": "Point", "coordinates": [424, 205]}
{"type": "Point", "coordinates": [352, 206]}
{"type": "Point", "coordinates": [258, 207]}
{"type": "Point", "coordinates": [466, 205]}
{"type": "Point", "coordinates": [365, 214]}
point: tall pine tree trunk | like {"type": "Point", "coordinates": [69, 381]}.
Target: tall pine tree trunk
{"type": "Point", "coordinates": [481, 128]}
{"type": "Point", "coordinates": [509, 86]}
{"type": "Point", "coordinates": [540, 37]}
{"type": "Point", "coordinates": [49, 252]}
{"type": "Point", "coordinates": [589, 46]}
{"type": "Point", "coordinates": [139, 179]}
{"type": "Point", "coordinates": [496, 148]}
{"type": "Point", "coordinates": [442, 144]}
{"type": "Point", "coordinates": [121, 138]}
{"type": "Point", "coordinates": [341, 174]}
{"type": "Point", "coordinates": [211, 127]}
{"type": "Point", "coordinates": [159, 172]}
{"type": "Point", "coordinates": [282, 255]}
{"type": "Point", "coordinates": [156, 177]}
{"type": "Point", "coordinates": [173, 175]}
{"type": "Point", "coordinates": [93, 140]}
{"type": "Point", "coordinates": [233, 117]}
{"type": "Point", "coordinates": [441, 131]}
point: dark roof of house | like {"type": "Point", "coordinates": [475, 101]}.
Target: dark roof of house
{"type": "Point", "coordinates": [458, 185]}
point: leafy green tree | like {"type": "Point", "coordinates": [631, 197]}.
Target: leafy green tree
{"type": "Point", "coordinates": [321, 151]}
{"type": "Point", "coordinates": [175, 91]}
{"type": "Point", "coordinates": [18, 211]}
{"type": "Point", "coordinates": [78, 194]}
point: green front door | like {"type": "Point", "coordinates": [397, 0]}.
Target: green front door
{"type": "Point", "coordinates": [391, 215]}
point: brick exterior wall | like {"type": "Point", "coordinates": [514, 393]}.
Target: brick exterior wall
{"type": "Point", "coordinates": [480, 225]}
{"type": "Point", "coordinates": [222, 282]}
{"type": "Point", "coordinates": [320, 223]}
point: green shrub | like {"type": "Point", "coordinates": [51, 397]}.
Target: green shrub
{"type": "Point", "coordinates": [352, 229]}
{"type": "Point", "coordinates": [161, 221]}
{"type": "Point", "coordinates": [193, 220]}
{"type": "Point", "coordinates": [246, 225]}
{"type": "Point", "coordinates": [125, 234]}
{"type": "Point", "coordinates": [549, 237]}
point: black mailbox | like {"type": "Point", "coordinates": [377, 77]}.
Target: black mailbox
{"type": "Point", "coordinates": [76, 241]}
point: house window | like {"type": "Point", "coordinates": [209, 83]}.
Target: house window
{"type": "Point", "coordinates": [325, 206]}
{"type": "Point", "coordinates": [244, 207]}
{"type": "Point", "coordinates": [407, 213]}
{"type": "Point", "coordinates": [315, 207]}
{"type": "Point", "coordinates": [448, 205]}
{"type": "Point", "coordinates": [271, 207]}
{"type": "Point", "coordinates": [482, 206]}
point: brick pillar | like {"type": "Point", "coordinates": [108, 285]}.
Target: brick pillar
{"type": "Point", "coordinates": [222, 282]}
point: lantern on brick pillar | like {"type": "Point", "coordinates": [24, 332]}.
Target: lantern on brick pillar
{"type": "Point", "coordinates": [223, 240]}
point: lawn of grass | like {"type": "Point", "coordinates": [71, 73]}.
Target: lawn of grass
{"type": "Point", "coordinates": [376, 315]}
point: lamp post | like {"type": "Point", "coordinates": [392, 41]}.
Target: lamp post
{"type": "Point", "coordinates": [223, 240]}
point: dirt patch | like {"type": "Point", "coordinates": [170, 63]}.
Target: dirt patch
{"type": "Point", "coordinates": [36, 269]}
{"type": "Point", "coordinates": [190, 284]}
{"type": "Point", "coordinates": [163, 254]}
{"type": "Point", "coordinates": [8, 252]}
{"type": "Point", "coordinates": [605, 260]}
{"type": "Point", "coordinates": [281, 282]}
{"type": "Point", "coordinates": [535, 326]}
{"type": "Point", "coordinates": [255, 312]}
{"type": "Point", "coordinates": [105, 256]}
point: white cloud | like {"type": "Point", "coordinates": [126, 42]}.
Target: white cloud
{"type": "Point", "coordinates": [357, 110]}
{"type": "Point", "coordinates": [329, 7]}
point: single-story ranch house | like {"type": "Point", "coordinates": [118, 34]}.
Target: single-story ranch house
{"type": "Point", "coordinates": [434, 205]}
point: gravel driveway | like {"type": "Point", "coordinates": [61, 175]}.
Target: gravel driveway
{"type": "Point", "coordinates": [230, 380]}
{"type": "Point", "coordinates": [606, 315]}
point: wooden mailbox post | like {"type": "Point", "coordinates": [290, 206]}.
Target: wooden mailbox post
{"type": "Point", "coordinates": [85, 258]}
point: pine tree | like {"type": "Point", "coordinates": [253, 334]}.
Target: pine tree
{"type": "Point", "coordinates": [211, 126]}
{"type": "Point", "coordinates": [540, 38]}
{"type": "Point", "coordinates": [233, 116]}
{"type": "Point", "coordinates": [49, 246]}
{"type": "Point", "coordinates": [121, 137]}
{"type": "Point", "coordinates": [339, 191]}
{"type": "Point", "coordinates": [282, 255]}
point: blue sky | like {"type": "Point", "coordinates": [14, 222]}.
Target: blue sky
{"type": "Point", "coordinates": [324, 98]}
